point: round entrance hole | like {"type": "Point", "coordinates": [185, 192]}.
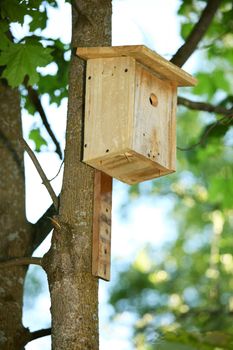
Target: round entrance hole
{"type": "Point", "coordinates": [153, 100]}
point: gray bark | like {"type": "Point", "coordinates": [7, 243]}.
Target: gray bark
{"type": "Point", "coordinates": [14, 237]}
{"type": "Point", "coordinates": [74, 291]}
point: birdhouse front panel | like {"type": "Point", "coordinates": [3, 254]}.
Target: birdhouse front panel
{"type": "Point", "coordinates": [109, 109]}
{"type": "Point", "coordinates": [130, 112]}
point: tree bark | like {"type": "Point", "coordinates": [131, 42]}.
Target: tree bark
{"type": "Point", "coordinates": [14, 235]}
{"type": "Point", "coordinates": [73, 289]}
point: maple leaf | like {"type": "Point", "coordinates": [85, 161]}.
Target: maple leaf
{"type": "Point", "coordinates": [23, 59]}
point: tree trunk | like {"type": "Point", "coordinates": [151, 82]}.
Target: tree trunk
{"type": "Point", "coordinates": [14, 231]}
{"type": "Point", "coordinates": [74, 291]}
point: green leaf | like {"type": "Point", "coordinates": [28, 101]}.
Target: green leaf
{"type": "Point", "coordinates": [34, 4]}
{"type": "Point", "coordinates": [227, 102]}
{"type": "Point", "coordinates": [204, 87]}
{"type": "Point", "coordinates": [39, 20]}
{"type": "Point", "coordinates": [28, 105]}
{"type": "Point", "coordinates": [13, 10]}
{"type": "Point", "coordinates": [4, 26]}
{"type": "Point", "coordinates": [185, 8]}
{"type": "Point", "coordinates": [220, 80]}
{"type": "Point", "coordinates": [221, 189]}
{"type": "Point", "coordinates": [22, 60]}
{"type": "Point", "coordinates": [37, 138]}
{"type": "Point", "coordinates": [56, 85]}
{"type": "Point", "coordinates": [4, 42]}
{"type": "Point", "coordinates": [186, 29]}
{"type": "Point", "coordinates": [210, 82]}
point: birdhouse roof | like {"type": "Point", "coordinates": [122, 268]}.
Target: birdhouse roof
{"type": "Point", "coordinates": [160, 66]}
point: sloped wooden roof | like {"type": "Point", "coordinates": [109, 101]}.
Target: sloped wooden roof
{"type": "Point", "coordinates": [156, 63]}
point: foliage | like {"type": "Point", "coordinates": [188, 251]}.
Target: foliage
{"type": "Point", "coordinates": [182, 295]}
{"type": "Point", "coordinates": [21, 60]}
{"type": "Point", "coordinates": [37, 138]}
{"type": "Point", "coordinates": [20, 57]}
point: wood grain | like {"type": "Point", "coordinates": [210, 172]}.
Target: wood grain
{"type": "Point", "coordinates": [159, 65]}
{"type": "Point", "coordinates": [101, 248]}
{"type": "Point", "coordinates": [130, 112]}
{"type": "Point", "coordinates": [108, 106]}
{"type": "Point", "coordinates": [154, 133]}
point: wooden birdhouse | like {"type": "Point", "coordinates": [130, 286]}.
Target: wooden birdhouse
{"type": "Point", "coordinates": [130, 112]}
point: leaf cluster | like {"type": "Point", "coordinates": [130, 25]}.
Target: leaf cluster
{"type": "Point", "coordinates": [22, 59]}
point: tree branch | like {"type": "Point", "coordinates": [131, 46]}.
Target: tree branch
{"type": "Point", "coordinates": [199, 30]}
{"type": "Point", "coordinates": [41, 173]}
{"type": "Point", "coordinates": [20, 262]}
{"type": "Point", "coordinates": [35, 100]}
{"type": "Point", "coordinates": [212, 312]}
{"type": "Point", "coordinates": [58, 172]}
{"type": "Point", "coordinates": [206, 133]}
{"type": "Point", "coordinates": [39, 334]}
{"type": "Point", "coordinates": [204, 106]}
{"type": "Point", "coordinates": [42, 227]}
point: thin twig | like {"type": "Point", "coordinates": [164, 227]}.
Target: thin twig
{"type": "Point", "coordinates": [57, 172]}
{"type": "Point", "coordinates": [39, 334]}
{"type": "Point", "coordinates": [205, 107]}
{"type": "Point", "coordinates": [199, 30]}
{"type": "Point", "coordinates": [205, 135]}
{"type": "Point", "coordinates": [41, 173]}
{"type": "Point", "coordinates": [35, 100]}
{"type": "Point", "coordinates": [20, 262]}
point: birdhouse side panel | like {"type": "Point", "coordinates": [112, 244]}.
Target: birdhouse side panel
{"type": "Point", "coordinates": [171, 122]}
{"type": "Point", "coordinates": [154, 119]}
{"type": "Point", "coordinates": [109, 107]}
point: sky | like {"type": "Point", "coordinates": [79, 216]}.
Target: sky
{"type": "Point", "coordinates": [154, 24]}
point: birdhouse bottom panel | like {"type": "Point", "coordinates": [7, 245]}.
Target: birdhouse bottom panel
{"type": "Point", "coordinates": [129, 166]}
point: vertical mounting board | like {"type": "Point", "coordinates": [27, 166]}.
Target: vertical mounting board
{"type": "Point", "coordinates": [101, 247]}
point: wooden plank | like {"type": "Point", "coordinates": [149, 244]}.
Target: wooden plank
{"type": "Point", "coordinates": [101, 248]}
{"type": "Point", "coordinates": [130, 167]}
{"type": "Point", "coordinates": [109, 106]}
{"type": "Point", "coordinates": [154, 118]}
{"type": "Point", "coordinates": [159, 65]}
